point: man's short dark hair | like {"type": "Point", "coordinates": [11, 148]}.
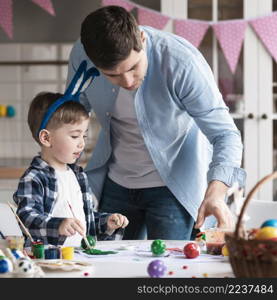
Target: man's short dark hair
{"type": "Point", "coordinates": [108, 36]}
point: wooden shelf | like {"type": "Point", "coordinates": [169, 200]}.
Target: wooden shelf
{"type": "Point", "coordinates": [11, 173]}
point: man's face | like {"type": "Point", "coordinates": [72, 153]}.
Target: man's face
{"type": "Point", "coordinates": [129, 73]}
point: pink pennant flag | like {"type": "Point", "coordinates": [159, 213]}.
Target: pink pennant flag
{"type": "Point", "coordinates": [46, 5]}
{"type": "Point", "coordinates": [230, 35]}
{"type": "Point", "coordinates": [126, 4]}
{"type": "Point", "coordinates": [151, 18]}
{"type": "Point", "coordinates": [6, 17]}
{"type": "Point", "coordinates": [192, 30]}
{"type": "Point", "coordinates": [266, 29]}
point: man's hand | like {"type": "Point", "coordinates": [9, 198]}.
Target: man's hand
{"type": "Point", "coordinates": [116, 221]}
{"type": "Point", "coordinates": [70, 226]}
{"type": "Point", "coordinates": [214, 204]}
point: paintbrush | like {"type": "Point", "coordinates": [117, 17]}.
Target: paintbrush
{"type": "Point", "coordinates": [84, 235]}
{"type": "Point", "coordinates": [2, 235]}
{"type": "Point", "coordinates": [26, 231]}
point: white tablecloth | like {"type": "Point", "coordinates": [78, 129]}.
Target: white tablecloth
{"type": "Point", "coordinates": [134, 262]}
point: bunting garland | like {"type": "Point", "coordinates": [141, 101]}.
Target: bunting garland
{"type": "Point", "coordinates": [266, 29]}
{"type": "Point", "coordinates": [6, 13]}
{"type": "Point", "coordinates": [46, 5]}
{"type": "Point", "coordinates": [192, 30]}
{"type": "Point", "coordinates": [152, 18]}
{"type": "Point", "coordinates": [230, 34]}
{"type": "Point", "coordinates": [6, 17]}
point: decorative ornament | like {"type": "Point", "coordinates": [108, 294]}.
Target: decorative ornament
{"type": "Point", "coordinates": [91, 240]}
{"type": "Point", "coordinates": [158, 247]}
{"type": "Point", "coordinates": [156, 268]}
{"type": "Point", "coordinates": [24, 266]}
{"type": "Point", "coordinates": [191, 250]}
{"type": "Point", "coordinates": [6, 13]}
{"type": "Point", "coordinates": [225, 251]}
{"type": "Point", "coordinates": [5, 265]}
{"type": "Point", "coordinates": [270, 223]}
{"type": "Point", "coordinates": [267, 233]}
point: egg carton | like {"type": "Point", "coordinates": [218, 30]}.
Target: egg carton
{"type": "Point", "coordinates": [19, 265]}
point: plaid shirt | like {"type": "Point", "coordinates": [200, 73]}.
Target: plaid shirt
{"type": "Point", "coordinates": [36, 195]}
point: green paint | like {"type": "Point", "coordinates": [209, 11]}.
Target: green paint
{"type": "Point", "coordinates": [38, 250]}
{"type": "Point", "coordinates": [98, 252]}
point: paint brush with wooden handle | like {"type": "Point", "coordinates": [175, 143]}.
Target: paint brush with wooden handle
{"type": "Point", "coordinates": [26, 231]}
{"type": "Point", "coordinates": [84, 235]}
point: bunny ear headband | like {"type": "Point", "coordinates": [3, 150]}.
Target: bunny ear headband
{"type": "Point", "coordinates": [79, 83]}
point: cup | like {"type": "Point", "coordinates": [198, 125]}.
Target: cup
{"type": "Point", "coordinates": [15, 242]}
{"type": "Point", "coordinates": [68, 253]}
{"type": "Point", "coordinates": [38, 250]}
{"type": "Point", "coordinates": [215, 240]}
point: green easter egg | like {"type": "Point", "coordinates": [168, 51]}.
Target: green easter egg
{"type": "Point", "coordinates": [158, 247]}
{"type": "Point", "coordinates": [91, 241]}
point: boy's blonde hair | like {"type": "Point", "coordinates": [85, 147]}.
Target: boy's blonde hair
{"type": "Point", "coordinates": [69, 112]}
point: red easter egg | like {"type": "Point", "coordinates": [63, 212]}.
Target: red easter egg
{"type": "Point", "coordinates": [191, 250]}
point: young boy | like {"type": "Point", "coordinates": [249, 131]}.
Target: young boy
{"type": "Point", "coordinates": [53, 196]}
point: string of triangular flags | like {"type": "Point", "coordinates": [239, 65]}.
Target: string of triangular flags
{"type": "Point", "coordinates": [230, 34]}
{"type": "Point", "coordinates": [6, 13]}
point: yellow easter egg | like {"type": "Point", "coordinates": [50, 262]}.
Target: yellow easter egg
{"type": "Point", "coordinates": [3, 110]}
{"type": "Point", "coordinates": [266, 233]}
{"type": "Point", "coordinates": [225, 251]}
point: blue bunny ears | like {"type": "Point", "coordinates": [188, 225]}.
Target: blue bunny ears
{"type": "Point", "coordinates": [79, 83]}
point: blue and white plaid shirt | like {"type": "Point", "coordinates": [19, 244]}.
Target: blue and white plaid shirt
{"type": "Point", "coordinates": [36, 195]}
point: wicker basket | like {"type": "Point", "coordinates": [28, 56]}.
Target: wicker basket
{"type": "Point", "coordinates": [248, 257]}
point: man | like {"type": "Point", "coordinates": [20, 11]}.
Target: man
{"type": "Point", "coordinates": [168, 149]}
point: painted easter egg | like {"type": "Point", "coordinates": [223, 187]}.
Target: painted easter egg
{"type": "Point", "coordinates": [3, 110]}
{"type": "Point", "coordinates": [191, 250]}
{"type": "Point", "coordinates": [225, 251]}
{"type": "Point", "coordinates": [5, 266]}
{"type": "Point", "coordinates": [266, 233]}
{"type": "Point", "coordinates": [270, 223]}
{"type": "Point", "coordinates": [91, 241]}
{"type": "Point", "coordinates": [156, 268]}
{"type": "Point", "coordinates": [158, 247]}
{"type": "Point", "coordinates": [24, 266]}
{"type": "Point", "coordinates": [10, 111]}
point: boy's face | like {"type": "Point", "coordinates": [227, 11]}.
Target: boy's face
{"type": "Point", "coordinates": [129, 73]}
{"type": "Point", "coordinates": [67, 143]}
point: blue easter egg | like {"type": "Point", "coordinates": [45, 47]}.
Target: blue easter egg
{"type": "Point", "coordinates": [5, 266]}
{"type": "Point", "coordinates": [10, 111]}
{"type": "Point", "coordinates": [270, 223]}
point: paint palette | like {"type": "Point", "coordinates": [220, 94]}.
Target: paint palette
{"type": "Point", "coordinates": [61, 264]}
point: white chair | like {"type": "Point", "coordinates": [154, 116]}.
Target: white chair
{"type": "Point", "coordinates": [259, 211]}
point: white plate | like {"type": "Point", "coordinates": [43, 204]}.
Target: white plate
{"type": "Point", "coordinates": [145, 253]}
{"type": "Point", "coordinates": [62, 264]}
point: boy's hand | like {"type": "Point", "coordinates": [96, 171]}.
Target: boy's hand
{"type": "Point", "coordinates": [70, 226]}
{"type": "Point", "coordinates": [116, 221]}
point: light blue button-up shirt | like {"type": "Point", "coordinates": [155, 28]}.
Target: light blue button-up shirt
{"type": "Point", "coordinates": [183, 119]}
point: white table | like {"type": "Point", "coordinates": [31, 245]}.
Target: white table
{"type": "Point", "coordinates": [133, 263]}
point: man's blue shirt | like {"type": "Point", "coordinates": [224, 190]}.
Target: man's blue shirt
{"type": "Point", "coordinates": [182, 117]}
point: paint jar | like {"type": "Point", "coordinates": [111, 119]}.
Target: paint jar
{"type": "Point", "coordinates": [68, 253]}
{"type": "Point", "coordinates": [38, 250]}
{"type": "Point", "coordinates": [52, 253]}
{"type": "Point", "coordinates": [215, 240]}
{"type": "Point", "coordinates": [15, 242]}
